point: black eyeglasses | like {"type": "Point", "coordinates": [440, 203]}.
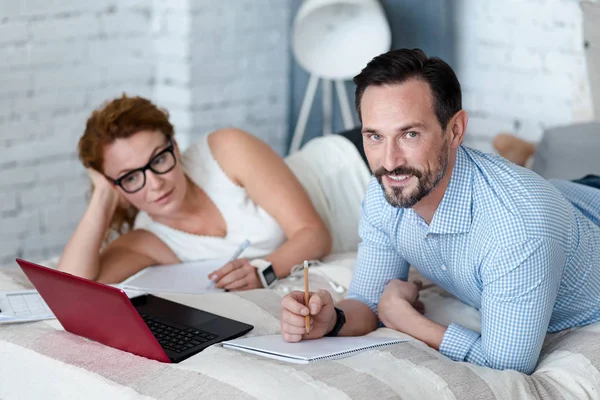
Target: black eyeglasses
{"type": "Point", "coordinates": [161, 163]}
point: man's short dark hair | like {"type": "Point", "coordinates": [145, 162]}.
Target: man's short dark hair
{"type": "Point", "coordinates": [398, 66]}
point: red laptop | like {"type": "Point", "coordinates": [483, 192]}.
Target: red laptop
{"type": "Point", "coordinates": [146, 325]}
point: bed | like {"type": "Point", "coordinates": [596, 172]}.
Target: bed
{"type": "Point", "coordinates": [41, 360]}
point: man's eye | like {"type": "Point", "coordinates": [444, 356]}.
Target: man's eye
{"type": "Point", "coordinates": [411, 135]}
{"type": "Point", "coordinates": [375, 137]}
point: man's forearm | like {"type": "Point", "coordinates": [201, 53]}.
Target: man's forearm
{"type": "Point", "coordinates": [410, 321]}
{"type": "Point", "coordinates": [360, 319]}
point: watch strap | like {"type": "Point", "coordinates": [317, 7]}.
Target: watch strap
{"type": "Point", "coordinates": [340, 320]}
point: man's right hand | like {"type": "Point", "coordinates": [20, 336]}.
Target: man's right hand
{"type": "Point", "coordinates": [320, 307]}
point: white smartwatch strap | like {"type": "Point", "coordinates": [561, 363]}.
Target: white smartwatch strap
{"type": "Point", "coordinates": [265, 270]}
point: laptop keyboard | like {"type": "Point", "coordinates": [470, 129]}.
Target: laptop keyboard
{"type": "Point", "coordinates": [175, 339]}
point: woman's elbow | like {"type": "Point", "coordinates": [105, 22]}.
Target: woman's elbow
{"type": "Point", "coordinates": [325, 241]}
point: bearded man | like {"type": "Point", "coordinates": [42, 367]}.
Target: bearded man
{"type": "Point", "coordinates": [522, 250]}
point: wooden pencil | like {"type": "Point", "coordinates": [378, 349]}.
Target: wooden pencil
{"type": "Point", "coordinates": [307, 318]}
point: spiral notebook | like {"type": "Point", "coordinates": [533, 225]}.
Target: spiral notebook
{"type": "Point", "coordinates": [327, 348]}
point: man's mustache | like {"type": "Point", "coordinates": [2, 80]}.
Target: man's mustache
{"type": "Point", "coordinates": [381, 171]}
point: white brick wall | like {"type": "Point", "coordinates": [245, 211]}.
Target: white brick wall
{"type": "Point", "coordinates": [211, 63]}
{"type": "Point", "coordinates": [522, 67]}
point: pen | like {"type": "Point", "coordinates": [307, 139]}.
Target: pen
{"type": "Point", "coordinates": [243, 246]}
{"type": "Point", "coordinates": [307, 318]}
{"type": "Point", "coordinates": [240, 250]}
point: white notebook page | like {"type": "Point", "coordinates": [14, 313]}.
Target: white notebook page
{"type": "Point", "coordinates": [188, 278]}
{"type": "Point", "coordinates": [273, 346]}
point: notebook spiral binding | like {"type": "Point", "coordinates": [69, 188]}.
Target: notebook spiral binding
{"type": "Point", "coordinates": [344, 354]}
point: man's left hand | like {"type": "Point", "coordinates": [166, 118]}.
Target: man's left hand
{"type": "Point", "coordinates": [399, 297]}
{"type": "Point", "coordinates": [236, 275]}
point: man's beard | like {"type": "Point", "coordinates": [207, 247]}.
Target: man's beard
{"type": "Point", "coordinates": [426, 182]}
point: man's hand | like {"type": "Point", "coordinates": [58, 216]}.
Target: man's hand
{"type": "Point", "coordinates": [236, 275]}
{"type": "Point", "coordinates": [396, 296]}
{"type": "Point", "coordinates": [293, 311]}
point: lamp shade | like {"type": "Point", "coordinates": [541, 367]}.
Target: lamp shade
{"type": "Point", "coordinates": [335, 39]}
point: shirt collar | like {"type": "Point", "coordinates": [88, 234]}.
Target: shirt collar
{"type": "Point", "coordinates": [454, 213]}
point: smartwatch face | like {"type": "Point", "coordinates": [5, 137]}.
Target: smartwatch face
{"type": "Point", "coordinates": [269, 274]}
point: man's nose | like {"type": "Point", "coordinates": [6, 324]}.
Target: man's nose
{"type": "Point", "coordinates": [394, 157]}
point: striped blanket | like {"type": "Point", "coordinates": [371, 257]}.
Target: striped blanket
{"type": "Point", "coordinates": [40, 360]}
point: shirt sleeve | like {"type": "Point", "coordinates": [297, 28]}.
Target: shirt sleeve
{"type": "Point", "coordinates": [519, 289]}
{"type": "Point", "coordinates": [377, 261]}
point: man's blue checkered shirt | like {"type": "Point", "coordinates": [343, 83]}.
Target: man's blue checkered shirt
{"type": "Point", "coordinates": [522, 250]}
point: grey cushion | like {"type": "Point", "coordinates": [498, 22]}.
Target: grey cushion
{"type": "Point", "coordinates": [569, 152]}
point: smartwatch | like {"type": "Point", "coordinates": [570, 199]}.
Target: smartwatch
{"type": "Point", "coordinates": [265, 271]}
{"type": "Point", "coordinates": [340, 320]}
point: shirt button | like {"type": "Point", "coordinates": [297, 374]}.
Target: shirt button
{"type": "Point", "coordinates": [443, 267]}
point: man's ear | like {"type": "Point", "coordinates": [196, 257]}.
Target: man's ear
{"type": "Point", "coordinates": [457, 128]}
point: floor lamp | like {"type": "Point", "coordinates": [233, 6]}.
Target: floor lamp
{"type": "Point", "coordinates": [333, 40]}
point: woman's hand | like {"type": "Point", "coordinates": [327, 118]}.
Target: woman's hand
{"type": "Point", "coordinates": [236, 275]}
{"type": "Point", "coordinates": [106, 189]}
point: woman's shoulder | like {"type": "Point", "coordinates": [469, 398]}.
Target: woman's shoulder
{"type": "Point", "coordinates": [215, 154]}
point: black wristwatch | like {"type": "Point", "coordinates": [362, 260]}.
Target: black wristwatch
{"type": "Point", "coordinates": [340, 320]}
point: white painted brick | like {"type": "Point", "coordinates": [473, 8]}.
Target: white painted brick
{"type": "Point", "coordinates": [71, 26]}
{"type": "Point", "coordinates": [19, 224]}
{"type": "Point", "coordinates": [57, 53]}
{"type": "Point", "coordinates": [9, 250]}
{"type": "Point", "coordinates": [31, 243]}
{"type": "Point", "coordinates": [175, 72]}
{"type": "Point", "coordinates": [121, 50]}
{"type": "Point", "coordinates": [15, 82]}
{"type": "Point", "coordinates": [174, 95]}
{"type": "Point", "coordinates": [178, 24]}
{"type": "Point", "coordinates": [125, 23]}
{"type": "Point", "coordinates": [17, 176]}
{"type": "Point", "coordinates": [180, 118]}
{"type": "Point", "coordinates": [131, 72]}
{"type": "Point", "coordinates": [172, 47]}
{"type": "Point", "coordinates": [561, 62]}
{"type": "Point", "coordinates": [61, 216]}
{"type": "Point", "coordinates": [31, 8]}
{"type": "Point", "coordinates": [39, 149]}
{"type": "Point", "coordinates": [68, 77]}
{"type": "Point", "coordinates": [55, 100]}
{"type": "Point", "coordinates": [14, 56]}
{"type": "Point", "coordinates": [133, 4]}
{"type": "Point", "coordinates": [22, 131]}
{"type": "Point", "coordinates": [97, 97]}
{"type": "Point", "coordinates": [40, 255]}
{"type": "Point", "coordinates": [69, 127]}
{"type": "Point", "coordinates": [6, 109]}
{"type": "Point", "coordinates": [481, 143]}
{"type": "Point", "coordinates": [62, 170]}
{"type": "Point", "coordinates": [177, 5]}
{"type": "Point", "coordinates": [8, 201]}
{"type": "Point", "coordinates": [524, 59]}
{"type": "Point", "coordinates": [529, 129]}
{"type": "Point", "coordinates": [11, 32]}
{"type": "Point", "coordinates": [40, 195]}
{"type": "Point", "coordinates": [488, 127]}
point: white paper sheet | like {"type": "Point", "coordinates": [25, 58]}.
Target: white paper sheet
{"type": "Point", "coordinates": [28, 305]}
{"type": "Point", "coordinates": [188, 278]}
{"type": "Point", "coordinates": [326, 348]}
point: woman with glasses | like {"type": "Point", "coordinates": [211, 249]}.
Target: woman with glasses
{"type": "Point", "coordinates": [154, 205]}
